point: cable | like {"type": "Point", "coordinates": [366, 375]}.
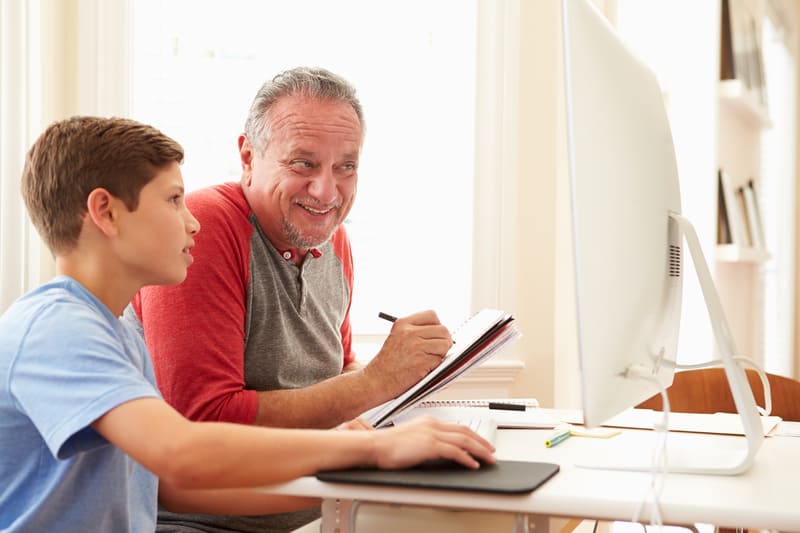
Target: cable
{"type": "Point", "coordinates": [658, 466]}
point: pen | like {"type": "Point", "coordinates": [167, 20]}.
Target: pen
{"type": "Point", "coordinates": [557, 437]}
{"type": "Point", "coordinates": [387, 316]}
{"type": "Point", "coordinates": [391, 318]}
{"type": "Point", "coordinates": [506, 406]}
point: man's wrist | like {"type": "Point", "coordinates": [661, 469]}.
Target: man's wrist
{"type": "Point", "coordinates": [369, 384]}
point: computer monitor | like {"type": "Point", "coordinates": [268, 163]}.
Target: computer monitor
{"type": "Point", "coordinates": [628, 234]}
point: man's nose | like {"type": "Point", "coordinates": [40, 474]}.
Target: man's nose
{"type": "Point", "coordinates": [323, 186]}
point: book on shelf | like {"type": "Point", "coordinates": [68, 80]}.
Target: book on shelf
{"type": "Point", "coordinates": [723, 225]}
{"type": "Point", "coordinates": [753, 215]}
{"type": "Point", "coordinates": [480, 337]}
{"type": "Point", "coordinates": [740, 48]}
{"type": "Point", "coordinates": [733, 211]}
{"type": "Point", "coordinates": [746, 221]}
{"type": "Point", "coordinates": [757, 210]}
{"type": "Point", "coordinates": [727, 70]}
{"type": "Point", "coordinates": [741, 42]}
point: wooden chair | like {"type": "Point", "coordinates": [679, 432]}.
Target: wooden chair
{"type": "Point", "coordinates": [706, 390]}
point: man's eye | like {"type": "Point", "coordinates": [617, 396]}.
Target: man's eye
{"type": "Point", "coordinates": [300, 163]}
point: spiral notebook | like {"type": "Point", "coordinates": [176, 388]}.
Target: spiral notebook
{"type": "Point", "coordinates": [477, 339]}
{"type": "Point", "coordinates": [481, 402]}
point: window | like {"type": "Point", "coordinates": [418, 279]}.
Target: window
{"type": "Point", "coordinates": [778, 204]}
{"type": "Point", "coordinates": [198, 64]}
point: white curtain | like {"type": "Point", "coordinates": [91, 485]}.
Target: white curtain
{"type": "Point", "coordinates": [57, 59]}
{"type": "Point", "coordinates": [19, 84]}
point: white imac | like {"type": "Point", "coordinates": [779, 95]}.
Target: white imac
{"type": "Point", "coordinates": [628, 234]}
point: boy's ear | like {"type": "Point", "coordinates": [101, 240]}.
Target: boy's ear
{"type": "Point", "coordinates": [102, 209]}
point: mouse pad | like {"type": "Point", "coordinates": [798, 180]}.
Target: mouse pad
{"type": "Point", "coordinates": [504, 477]}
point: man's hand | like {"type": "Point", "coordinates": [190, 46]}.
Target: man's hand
{"type": "Point", "coordinates": [415, 346]}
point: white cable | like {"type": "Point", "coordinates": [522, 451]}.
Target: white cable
{"type": "Point", "coordinates": [658, 466]}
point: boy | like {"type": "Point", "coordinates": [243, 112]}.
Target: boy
{"type": "Point", "coordinates": [86, 442]}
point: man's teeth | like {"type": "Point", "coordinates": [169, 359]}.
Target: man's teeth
{"type": "Point", "coordinates": [316, 211]}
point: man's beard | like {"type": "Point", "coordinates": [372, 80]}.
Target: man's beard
{"type": "Point", "coordinates": [301, 240]}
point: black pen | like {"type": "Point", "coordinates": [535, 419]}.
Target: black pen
{"type": "Point", "coordinates": [506, 406]}
{"type": "Point", "coordinates": [390, 318]}
{"type": "Point", "coordinates": [387, 316]}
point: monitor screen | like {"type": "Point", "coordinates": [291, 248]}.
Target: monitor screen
{"type": "Point", "coordinates": [628, 233]}
{"type": "Point", "coordinates": [624, 185]}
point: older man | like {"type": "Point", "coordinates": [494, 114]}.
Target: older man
{"type": "Point", "coordinates": [259, 333]}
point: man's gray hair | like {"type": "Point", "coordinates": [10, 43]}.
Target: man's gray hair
{"type": "Point", "coordinates": [317, 83]}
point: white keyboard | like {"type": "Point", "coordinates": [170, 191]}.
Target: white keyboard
{"type": "Point", "coordinates": [485, 427]}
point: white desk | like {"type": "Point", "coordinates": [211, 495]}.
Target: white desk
{"type": "Point", "coordinates": [765, 497]}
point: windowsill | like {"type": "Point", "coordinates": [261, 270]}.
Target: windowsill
{"type": "Point", "coordinates": [365, 351]}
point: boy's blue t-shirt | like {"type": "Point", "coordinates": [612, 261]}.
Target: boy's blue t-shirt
{"type": "Point", "coordinates": [65, 360]}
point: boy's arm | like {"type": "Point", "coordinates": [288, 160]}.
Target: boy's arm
{"type": "Point", "coordinates": [193, 455]}
{"type": "Point", "coordinates": [204, 455]}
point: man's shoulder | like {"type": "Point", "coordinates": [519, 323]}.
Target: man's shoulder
{"type": "Point", "coordinates": [222, 210]}
{"type": "Point", "coordinates": [340, 239]}
{"type": "Point", "coordinates": [340, 242]}
{"type": "Point", "coordinates": [224, 198]}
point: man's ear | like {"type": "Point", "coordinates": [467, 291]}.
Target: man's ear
{"type": "Point", "coordinates": [246, 158]}
{"type": "Point", "coordinates": [102, 209]}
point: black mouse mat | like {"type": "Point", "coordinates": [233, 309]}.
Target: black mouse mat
{"type": "Point", "coordinates": [504, 477]}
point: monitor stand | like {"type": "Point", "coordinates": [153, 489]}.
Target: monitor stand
{"type": "Point", "coordinates": [737, 454]}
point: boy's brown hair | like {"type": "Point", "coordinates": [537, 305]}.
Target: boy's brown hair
{"type": "Point", "coordinates": [72, 157]}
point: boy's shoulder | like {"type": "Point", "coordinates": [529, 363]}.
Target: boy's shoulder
{"type": "Point", "coordinates": [60, 303]}
{"type": "Point", "coordinates": [58, 288]}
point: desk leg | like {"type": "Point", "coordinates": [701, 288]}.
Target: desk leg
{"type": "Point", "coordinates": [534, 523]}
{"type": "Point", "coordinates": [335, 516]}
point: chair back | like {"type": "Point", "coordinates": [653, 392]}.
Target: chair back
{"type": "Point", "coordinates": [706, 390]}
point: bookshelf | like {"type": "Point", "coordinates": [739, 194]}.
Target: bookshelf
{"type": "Point", "coordinates": [734, 253]}
{"type": "Point", "coordinates": [743, 114]}
{"type": "Point", "coordinates": [735, 97]}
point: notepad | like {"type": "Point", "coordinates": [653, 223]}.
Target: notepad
{"type": "Point", "coordinates": [477, 339]}
{"type": "Point", "coordinates": [717, 423]}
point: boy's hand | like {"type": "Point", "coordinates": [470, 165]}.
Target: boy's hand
{"type": "Point", "coordinates": [426, 438]}
{"type": "Point", "coordinates": [356, 423]}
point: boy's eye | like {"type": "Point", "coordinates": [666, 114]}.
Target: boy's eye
{"type": "Point", "coordinates": [175, 199]}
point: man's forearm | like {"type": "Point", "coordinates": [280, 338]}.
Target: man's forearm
{"type": "Point", "coordinates": [352, 367]}
{"type": "Point", "coordinates": [323, 405]}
